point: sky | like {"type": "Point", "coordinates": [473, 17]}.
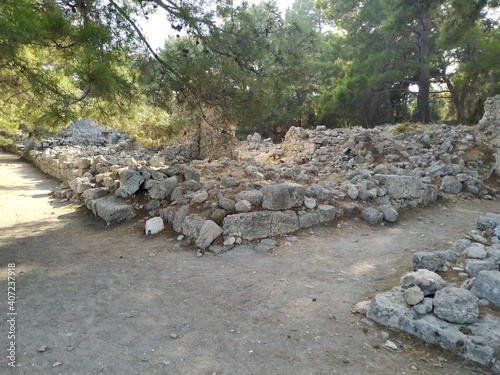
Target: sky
{"type": "Point", "coordinates": [157, 29]}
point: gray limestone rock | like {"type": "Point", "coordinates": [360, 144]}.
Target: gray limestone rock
{"type": "Point", "coordinates": [282, 196]}
{"type": "Point", "coordinates": [326, 213]}
{"type": "Point", "coordinates": [424, 307]}
{"type": "Point", "coordinates": [191, 226]}
{"type": "Point", "coordinates": [208, 233]}
{"type": "Point", "coordinates": [474, 266]}
{"type": "Point", "coordinates": [475, 251]}
{"type": "Point", "coordinates": [191, 173]}
{"type": "Point", "coordinates": [429, 282]}
{"type": "Point", "coordinates": [308, 219]}
{"type": "Point", "coordinates": [413, 295]}
{"type": "Point", "coordinates": [112, 210]}
{"type": "Point", "coordinates": [310, 203]}
{"type": "Point", "coordinates": [95, 193]}
{"type": "Point", "coordinates": [179, 218]}
{"type": "Point", "coordinates": [226, 203]}
{"type": "Point", "coordinates": [255, 197]}
{"type": "Point", "coordinates": [451, 185]}
{"type": "Point", "coordinates": [130, 181]}
{"type": "Point", "coordinates": [488, 221]}
{"type": "Point", "coordinates": [456, 305]}
{"type": "Point", "coordinates": [200, 197]}
{"type": "Point", "coordinates": [487, 286]}
{"type": "Point", "coordinates": [390, 213]}
{"type": "Point", "coordinates": [427, 260]}
{"type": "Point", "coordinates": [390, 309]}
{"type": "Point", "coordinates": [398, 187]}
{"type": "Point", "coordinates": [162, 189]}
{"type": "Point", "coordinates": [243, 206]}
{"type": "Point", "coordinates": [261, 224]}
{"type": "Point", "coordinates": [372, 216]}
{"type": "Point", "coordinates": [153, 226]}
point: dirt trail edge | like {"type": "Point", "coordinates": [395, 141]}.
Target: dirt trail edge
{"type": "Point", "coordinates": [97, 300]}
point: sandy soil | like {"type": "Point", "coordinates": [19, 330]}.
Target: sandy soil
{"type": "Point", "coordinates": [98, 300]}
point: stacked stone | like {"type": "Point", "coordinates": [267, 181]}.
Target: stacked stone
{"type": "Point", "coordinates": [443, 313]}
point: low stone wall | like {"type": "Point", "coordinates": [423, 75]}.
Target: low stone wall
{"type": "Point", "coordinates": [314, 177]}
{"type": "Point", "coordinates": [456, 317]}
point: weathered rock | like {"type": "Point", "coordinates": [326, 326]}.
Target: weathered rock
{"type": "Point", "coordinates": [487, 286]}
{"type": "Point", "coordinates": [413, 295]}
{"type": "Point", "coordinates": [192, 174]}
{"type": "Point", "coordinates": [255, 197]}
{"type": "Point", "coordinates": [282, 196]}
{"type": "Point", "coordinates": [157, 161]}
{"type": "Point", "coordinates": [427, 260]}
{"type": "Point", "coordinates": [112, 210]}
{"type": "Point", "coordinates": [208, 233]}
{"type": "Point", "coordinates": [326, 213]}
{"type": "Point", "coordinates": [390, 213]}
{"type": "Point", "coordinates": [451, 185]}
{"type": "Point", "coordinates": [309, 219]}
{"type": "Point", "coordinates": [162, 189]}
{"type": "Point", "coordinates": [261, 224]}
{"type": "Point", "coordinates": [401, 186]}
{"type": "Point", "coordinates": [226, 203]}
{"type": "Point", "coordinates": [488, 221]}
{"type": "Point", "coordinates": [474, 266]}
{"type": "Point", "coordinates": [80, 184]}
{"type": "Point", "coordinates": [130, 181]}
{"type": "Point", "coordinates": [475, 251]}
{"type": "Point", "coordinates": [200, 197]}
{"type": "Point", "coordinates": [243, 206]}
{"type": "Point", "coordinates": [372, 216]}
{"type": "Point", "coordinates": [390, 309]}
{"type": "Point", "coordinates": [424, 307]}
{"type": "Point", "coordinates": [95, 193]}
{"type": "Point", "coordinates": [179, 217]}
{"type": "Point", "coordinates": [429, 282]}
{"type": "Point", "coordinates": [310, 203]}
{"type": "Point", "coordinates": [456, 305]}
{"type": "Point", "coordinates": [154, 225]}
{"type": "Point", "coordinates": [191, 226]}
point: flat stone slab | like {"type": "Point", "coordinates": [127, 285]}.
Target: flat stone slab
{"type": "Point", "coordinates": [112, 210]}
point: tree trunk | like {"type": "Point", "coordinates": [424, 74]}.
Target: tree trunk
{"type": "Point", "coordinates": [421, 40]}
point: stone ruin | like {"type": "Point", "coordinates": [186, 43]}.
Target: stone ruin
{"type": "Point", "coordinates": [314, 177]}
{"type": "Point", "coordinates": [460, 315]}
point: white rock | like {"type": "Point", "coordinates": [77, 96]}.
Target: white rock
{"type": "Point", "coordinates": [154, 225]}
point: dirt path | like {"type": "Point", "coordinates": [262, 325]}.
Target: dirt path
{"type": "Point", "coordinates": [113, 301]}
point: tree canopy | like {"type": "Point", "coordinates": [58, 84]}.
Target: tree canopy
{"type": "Point", "coordinates": [253, 66]}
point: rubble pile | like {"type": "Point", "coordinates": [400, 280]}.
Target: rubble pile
{"type": "Point", "coordinates": [313, 177]}
{"type": "Point", "coordinates": [460, 314]}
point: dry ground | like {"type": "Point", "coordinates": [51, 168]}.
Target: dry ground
{"type": "Point", "coordinates": [113, 301]}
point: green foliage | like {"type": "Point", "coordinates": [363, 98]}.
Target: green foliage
{"type": "Point", "coordinates": [404, 127]}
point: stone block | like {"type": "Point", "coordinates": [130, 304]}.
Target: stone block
{"type": "Point", "coordinates": [456, 305]}
{"type": "Point", "coordinates": [398, 187]}
{"type": "Point", "coordinates": [261, 224]}
{"type": "Point", "coordinates": [427, 260]}
{"type": "Point", "coordinates": [112, 210]}
{"type": "Point", "coordinates": [282, 196]}
{"type": "Point", "coordinates": [487, 286]}
{"type": "Point", "coordinates": [208, 233]}
{"type": "Point", "coordinates": [154, 225]}
{"type": "Point", "coordinates": [130, 180]}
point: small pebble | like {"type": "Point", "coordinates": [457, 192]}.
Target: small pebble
{"type": "Point", "coordinates": [174, 335]}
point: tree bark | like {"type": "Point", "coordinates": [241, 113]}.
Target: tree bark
{"type": "Point", "coordinates": [422, 44]}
